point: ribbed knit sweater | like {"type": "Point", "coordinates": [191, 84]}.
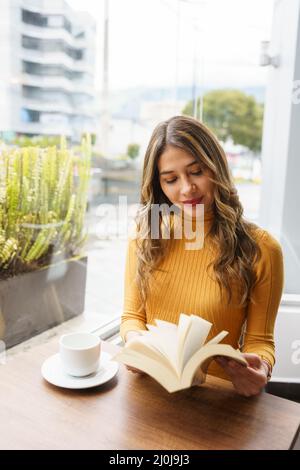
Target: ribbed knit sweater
{"type": "Point", "coordinates": [185, 284]}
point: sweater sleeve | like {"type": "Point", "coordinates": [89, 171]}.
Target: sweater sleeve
{"type": "Point", "coordinates": [133, 317]}
{"type": "Point", "coordinates": [266, 295]}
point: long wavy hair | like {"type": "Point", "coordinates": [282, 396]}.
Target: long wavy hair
{"type": "Point", "coordinates": [230, 232]}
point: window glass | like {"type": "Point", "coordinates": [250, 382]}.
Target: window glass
{"type": "Point", "coordinates": [114, 75]}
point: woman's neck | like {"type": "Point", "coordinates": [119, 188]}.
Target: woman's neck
{"type": "Point", "coordinates": [202, 220]}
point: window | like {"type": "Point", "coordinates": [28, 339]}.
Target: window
{"type": "Point", "coordinates": [51, 21]}
{"type": "Point", "coordinates": [150, 78]}
{"type": "Point", "coordinates": [52, 71]}
{"type": "Point", "coordinates": [49, 45]}
{"type": "Point", "coordinates": [35, 19]}
{"type": "Point", "coordinates": [29, 115]}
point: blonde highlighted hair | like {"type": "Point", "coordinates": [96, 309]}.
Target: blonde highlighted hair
{"type": "Point", "coordinates": [230, 232]}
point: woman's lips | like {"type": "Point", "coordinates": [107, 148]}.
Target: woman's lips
{"type": "Point", "coordinates": [194, 202]}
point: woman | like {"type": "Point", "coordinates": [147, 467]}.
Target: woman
{"type": "Point", "coordinates": [234, 280]}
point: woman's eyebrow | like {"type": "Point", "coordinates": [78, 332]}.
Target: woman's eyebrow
{"type": "Point", "coordinates": [172, 171]}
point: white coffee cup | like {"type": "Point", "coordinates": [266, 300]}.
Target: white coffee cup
{"type": "Point", "coordinates": [80, 353]}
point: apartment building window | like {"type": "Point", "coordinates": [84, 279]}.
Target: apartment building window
{"type": "Point", "coordinates": [30, 43]}
{"type": "Point", "coordinates": [35, 19]}
{"type": "Point", "coordinates": [76, 54]}
{"type": "Point", "coordinates": [67, 25]}
{"type": "Point", "coordinates": [34, 93]}
{"type": "Point", "coordinates": [28, 115]}
{"type": "Point", "coordinates": [50, 21]}
{"type": "Point", "coordinates": [51, 71]}
{"type": "Point", "coordinates": [49, 45]}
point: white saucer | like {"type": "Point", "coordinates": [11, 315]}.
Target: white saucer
{"type": "Point", "coordinates": [53, 372]}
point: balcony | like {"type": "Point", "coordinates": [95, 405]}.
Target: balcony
{"type": "Point", "coordinates": [56, 83]}
{"type": "Point", "coordinates": [58, 71]}
{"type": "Point", "coordinates": [57, 107]}
{"type": "Point", "coordinates": [46, 33]}
{"type": "Point", "coordinates": [45, 106]}
{"type": "Point", "coordinates": [56, 58]}
{"type": "Point", "coordinates": [57, 7]}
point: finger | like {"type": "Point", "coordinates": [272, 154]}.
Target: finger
{"type": "Point", "coordinates": [258, 380]}
{"type": "Point", "coordinates": [253, 359]}
{"type": "Point", "coordinates": [256, 374]}
{"type": "Point", "coordinates": [236, 365]}
{"type": "Point", "coordinates": [246, 384]}
{"type": "Point", "coordinates": [132, 369]}
{"type": "Point", "coordinates": [236, 369]}
{"type": "Point", "coordinates": [222, 361]}
{"type": "Point", "coordinates": [232, 374]}
{"type": "Point", "coordinates": [227, 369]}
{"type": "Point", "coordinates": [246, 377]}
{"type": "Point", "coordinates": [240, 368]}
{"type": "Point", "coordinates": [248, 393]}
{"type": "Point", "coordinates": [137, 371]}
{"type": "Point", "coordinates": [250, 378]}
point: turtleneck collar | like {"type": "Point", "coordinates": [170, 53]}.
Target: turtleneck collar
{"type": "Point", "coordinates": [208, 218]}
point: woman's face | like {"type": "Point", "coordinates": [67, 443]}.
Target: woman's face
{"type": "Point", "coordinates": [183, 181]}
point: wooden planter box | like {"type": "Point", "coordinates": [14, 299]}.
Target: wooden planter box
{"type": "Point", "coordinates": [34, 302]}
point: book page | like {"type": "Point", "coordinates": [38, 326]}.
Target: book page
{"type": "Point", "coordinates": [144, 346]}
{"type": "Point", "coordinates": [193, 337]}
{"type": "Point", "coordinates": [157, 370]}
{"type": "Point", "coordinates": [164, 337]}
{"type": "Point", "coordinates": [217, 339]}
{"type": "Point", "coordinates": [183, 328]}
{"type": "Point", "coordinates": [204, 355]}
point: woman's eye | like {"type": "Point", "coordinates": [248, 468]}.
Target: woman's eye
{"type": "Point", "coordinates": [197, 172]}
{"type": "Point", "coordinates": [171, 181]}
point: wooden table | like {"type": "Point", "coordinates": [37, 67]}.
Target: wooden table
{"type": "Point", "coordinates": [134, 412]}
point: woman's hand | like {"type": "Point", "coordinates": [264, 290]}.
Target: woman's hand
{"type": "Point", "coordinates": [247, 381]}
{"type": "Point", "coordinates": [135, 371]}
{"type": "Point", "coordinates": [129, 336]}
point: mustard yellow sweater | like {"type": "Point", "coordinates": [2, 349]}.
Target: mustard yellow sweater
{"type": "Point", "coordinates": [185, 286]}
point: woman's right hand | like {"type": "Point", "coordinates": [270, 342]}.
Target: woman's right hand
{"type": "Point", "coordinates": [135, 371]}
{"type": "Point", "coordinates": [129, 336]}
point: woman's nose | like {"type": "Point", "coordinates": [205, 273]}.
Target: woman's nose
{"type": "Point", "coordinates": [187, 187]}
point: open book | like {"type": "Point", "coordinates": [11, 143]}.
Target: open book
{"type": "Point", "coordinates": [173, 354]}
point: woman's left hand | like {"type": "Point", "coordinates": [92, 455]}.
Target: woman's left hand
{"type": "Point", "coordinates": [247, 381]}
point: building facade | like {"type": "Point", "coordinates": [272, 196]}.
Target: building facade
{"type": "Point", "coordinates": [48, 69]}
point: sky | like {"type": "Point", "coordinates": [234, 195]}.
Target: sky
{"type": "Point", "coordinates": [154, 43]}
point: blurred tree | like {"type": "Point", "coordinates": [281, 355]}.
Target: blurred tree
{"type": "Point", "coordinates": [133, 151]}
{"type": "Point", "coordinates": [232, 114]}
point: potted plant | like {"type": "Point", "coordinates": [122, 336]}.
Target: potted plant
{"type": "Point", "coordinates": [43, 199]}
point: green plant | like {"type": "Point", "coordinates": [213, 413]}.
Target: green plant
{"type": "Point", "coordinates": [37, 141]}
{"type": "Point", "coordinates": [43, 200]}
{"type": "Point", "coordinates": [133, 151]}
